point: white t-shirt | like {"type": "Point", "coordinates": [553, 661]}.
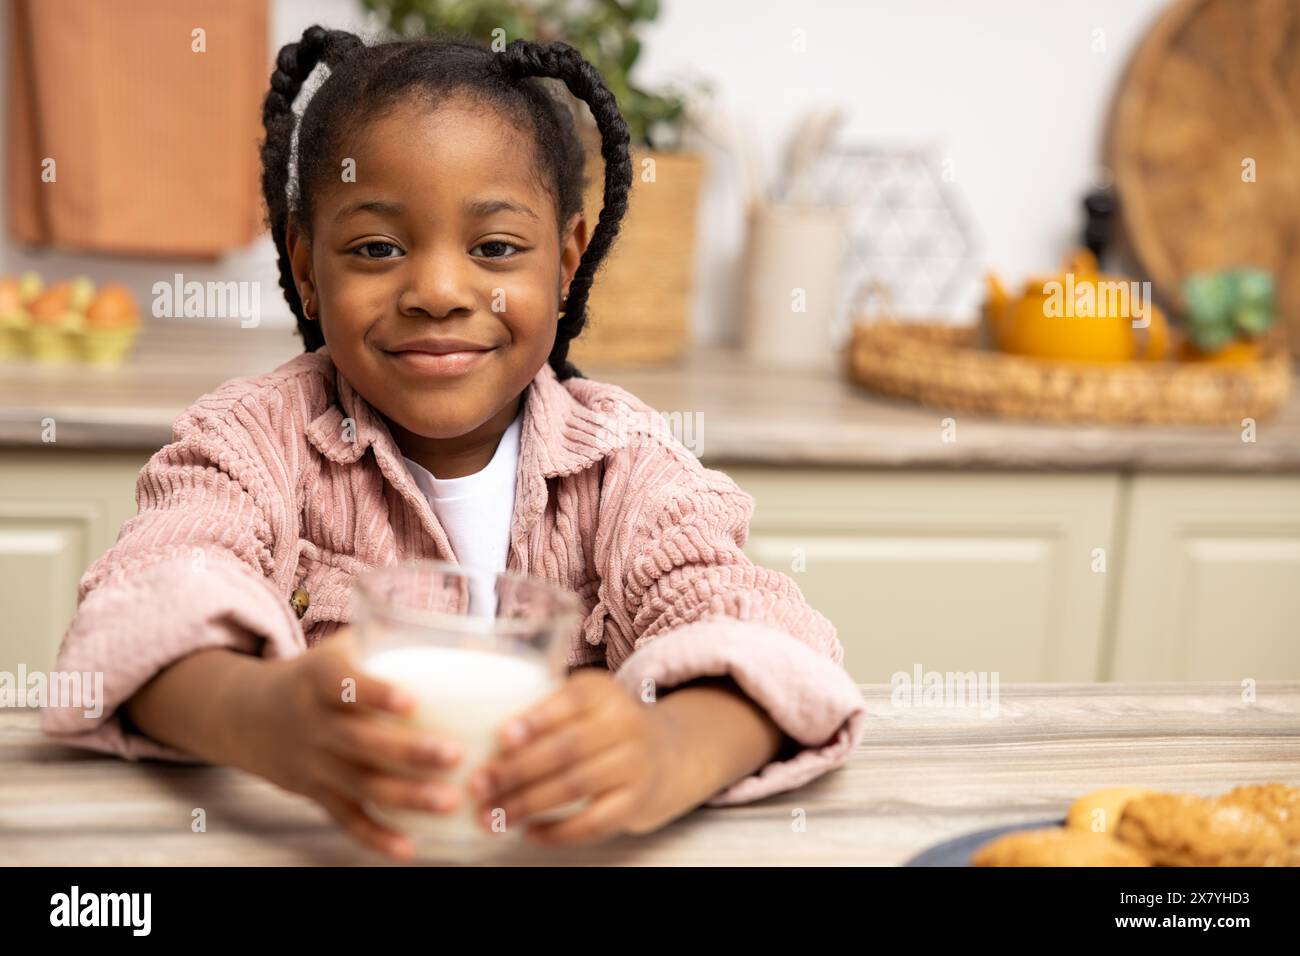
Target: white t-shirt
{"type": "Point", "coordinates": [476, 510]}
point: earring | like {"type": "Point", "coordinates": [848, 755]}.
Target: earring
{"type": "Point", "coordinates": [306, 309]}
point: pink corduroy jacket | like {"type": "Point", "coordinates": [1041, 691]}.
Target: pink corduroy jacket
{"type": "Point", "coordinates": [292, 480]}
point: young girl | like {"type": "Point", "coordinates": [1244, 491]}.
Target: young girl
{"type": "Point", "coordinates": [433, 247]}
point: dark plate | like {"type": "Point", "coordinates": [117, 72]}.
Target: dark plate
{"type": "Point", "coordinates": [957, 851]}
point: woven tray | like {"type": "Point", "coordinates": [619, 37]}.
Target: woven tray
{"type": "Point", "coordinates": [944, 366]}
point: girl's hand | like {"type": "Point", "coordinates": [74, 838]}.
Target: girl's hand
{"type": "Point", "coordinates": [590, 739]}
{"type": "Point", "coordinates": [311, 733]}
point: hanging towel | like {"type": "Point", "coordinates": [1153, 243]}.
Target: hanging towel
{"type": "Point", "coordinates": [147, 113]}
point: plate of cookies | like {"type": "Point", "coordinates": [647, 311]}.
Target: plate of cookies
{"type": "Point", "coordinates": [1255, 825]}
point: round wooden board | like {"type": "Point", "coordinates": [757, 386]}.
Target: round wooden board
{"type": "Point", "coordinates": [1211, 96]}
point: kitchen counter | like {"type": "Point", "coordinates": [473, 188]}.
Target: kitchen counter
{"type": "Point", "coordinates": [740, 413]}
{"type": "Point", "coordinates": [921, 776]}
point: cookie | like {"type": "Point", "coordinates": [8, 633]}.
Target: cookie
{"type": "Point", "coordinates": [1099, 811]}
{"type": "Point", "coordinates": [1273, 797]}
{"type": "Point", "coordinates": [1277, 801]}
{"type": "Point", "coordinates": [1056, 846]}
{"type": "Point", "coordinates": [1174, 829]}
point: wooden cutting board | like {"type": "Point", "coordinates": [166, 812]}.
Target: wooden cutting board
{"type": "Point", "coordinates": [1204, 141]}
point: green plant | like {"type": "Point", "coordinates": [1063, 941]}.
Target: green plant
{"type": "Point", "coordinates": [603, 31]}
{"type": "Point", "coordinates": [1225, 305]}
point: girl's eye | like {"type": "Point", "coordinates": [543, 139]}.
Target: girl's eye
{"type": "Point", "coordinates": [495, 249]}
{"type": "Point", "coordinates": [377, 250]}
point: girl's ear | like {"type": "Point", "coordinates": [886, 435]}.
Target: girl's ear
{"type": "Point", "coordinates": [299, 247]}
{"type": "Point", "coordinates": [574, 244]}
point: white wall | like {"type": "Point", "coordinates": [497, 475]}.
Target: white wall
{"type": "Point", "coordinates": [1011, 91]}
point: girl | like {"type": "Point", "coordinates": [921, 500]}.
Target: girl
{"type": "Point", "coordinates": [433, 247]}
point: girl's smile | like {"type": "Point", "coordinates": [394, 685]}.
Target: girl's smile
{"type": "Point", "coordinates": [439, 274]}
{"type": "Point", "coordinates": [439, 355]}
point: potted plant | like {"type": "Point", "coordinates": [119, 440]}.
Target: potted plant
{"type": "Point", "coordinates": [1227, 314]}
{"type": "Point", "coordinates": [639, 305]}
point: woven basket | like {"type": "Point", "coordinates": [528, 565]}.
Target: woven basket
{"type": "Point", "coordinates": [944, 366]}
{"type": "Point", "coordinates": [639, 309]}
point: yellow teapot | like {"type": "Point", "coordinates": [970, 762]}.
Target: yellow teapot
{"type": "Point", "coordinates": [1079, 315]}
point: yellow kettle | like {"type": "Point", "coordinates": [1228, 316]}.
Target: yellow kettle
{"type": "Point", "coordinates": [1078, 315]}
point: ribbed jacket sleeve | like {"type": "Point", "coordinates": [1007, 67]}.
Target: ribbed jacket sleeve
{"type": "Point", "coordinates": [190, 570]}
{"type": "Point", "coordinates": [686, 602]}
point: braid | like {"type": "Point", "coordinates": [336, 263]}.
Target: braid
{"type": "Point", "coordinates": [521, 59]}
{"type": "Point", "coordinates": [293, 65]}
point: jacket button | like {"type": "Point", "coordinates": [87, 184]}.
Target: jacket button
{"type": "Point", "coordinates": [300, 600]}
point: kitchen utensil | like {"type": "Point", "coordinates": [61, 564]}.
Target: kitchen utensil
{"type": "Point", "coordinates": [794, 267]}
{"type": "Point", "coordinates": [808, 143]}
{"type": "Point", "coordinates": [1079, 314]}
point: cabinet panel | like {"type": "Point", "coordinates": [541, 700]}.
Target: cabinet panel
{"type": "Point", "coordinates": [1211, 585]}
{"type": "Point", "coordinates": [58, 512]}
{"type": "Point", "coordinates": [954, 572]}
{"type": "Point", "coordinates": [38, 557]}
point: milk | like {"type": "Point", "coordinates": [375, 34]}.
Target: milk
{"type": "Point", "coordinates": [466, 695]}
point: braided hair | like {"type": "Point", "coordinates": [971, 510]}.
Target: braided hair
{"type": "Point", "coordinates": [366, 80]}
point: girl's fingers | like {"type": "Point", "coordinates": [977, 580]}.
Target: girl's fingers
{"type": "Point", "coordinates": [549, 753]}
{"type": "Point", "coordinates": [388, 746]}
{"type": "Point", "coordinates": [360, 785]}
{"type": "Point", "coordinates": [341, 684]}
{"type": "Point", "coordinates": [581, 693]}
{"type": "Point", "coordinates": [602, 819]}
{"type": "Point", "coordinates": [606, 770]}
{"type": "Point", "coordinates": [354, 820]}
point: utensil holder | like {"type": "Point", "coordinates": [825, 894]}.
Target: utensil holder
{"type": "Point", "coordinates": [793, 275]}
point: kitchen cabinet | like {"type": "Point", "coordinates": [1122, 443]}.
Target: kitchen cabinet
{"type": "Point", "coordinates": [1028, 575]}
{"type": "Point", "coordinates": [952, 572]}
{"type": "Point", "coordinates": [1042, 577]}
{"type": "Point", "coordinates": [59, 511]}
{"type": "Point", "coordinates": [1212, 580]}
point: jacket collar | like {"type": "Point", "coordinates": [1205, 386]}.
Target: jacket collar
{"type": "Point", "coordinates": [566, 428]}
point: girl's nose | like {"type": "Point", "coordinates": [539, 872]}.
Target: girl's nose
{"type": "Point", "coordinates": [438, 286]}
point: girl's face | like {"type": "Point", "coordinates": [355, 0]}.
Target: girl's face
{"type": "Point", "coordinates": [437, 275]}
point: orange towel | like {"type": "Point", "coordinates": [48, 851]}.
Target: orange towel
{"type": "Point", "coordinates": [154, 144]}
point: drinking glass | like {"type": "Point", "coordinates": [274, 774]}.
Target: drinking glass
{"type": "Point", "coordinates": [474, 648]}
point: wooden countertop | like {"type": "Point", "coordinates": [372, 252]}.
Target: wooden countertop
{"type": "Point", "coordinates": [748, 414]}
{"type": "Point", "coordinates": [921, 776]}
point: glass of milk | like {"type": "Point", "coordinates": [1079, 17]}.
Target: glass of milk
{"type": "Point", "coordinates": [474, 648]}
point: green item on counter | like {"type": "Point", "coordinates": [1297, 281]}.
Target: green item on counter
{"type": "Point", "coordinates": [1222, 306]}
